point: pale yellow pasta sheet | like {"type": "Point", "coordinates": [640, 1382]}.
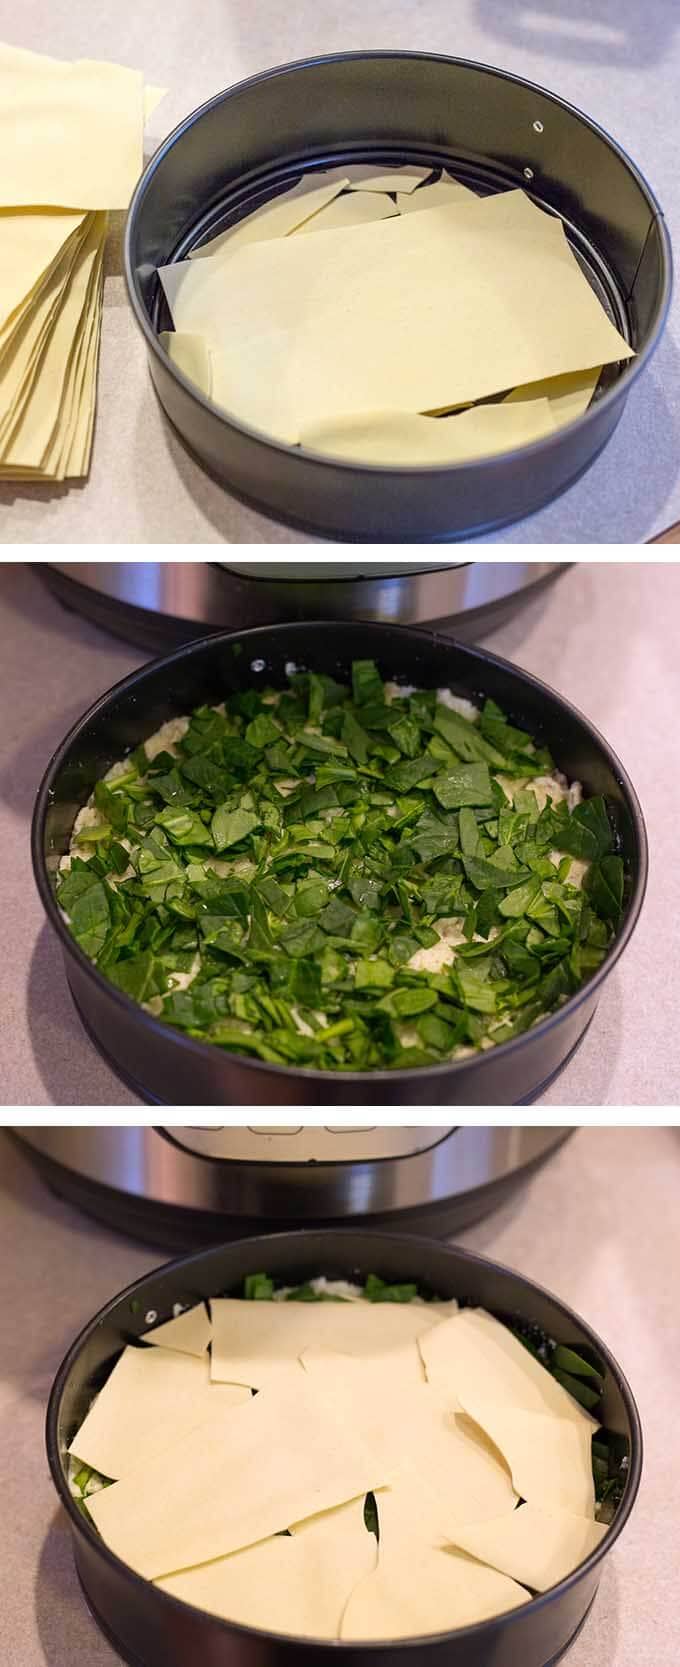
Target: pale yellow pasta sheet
{"type": "Point", "coordinates": [78, 390]}
{"type": "Point", "coordinates": [31, 242]}
{"type": "Point", "coordinates": [163, 1518]}
{"type": "Point", "coordinates": [22, 357]}
{"type": "Point", "coordinates": [150, 1399]}
{"type": "Point", "coordinates": [251, 1341]}
{"type": "Point", "coordinates": [276, 219]}
{"type": "Point", "coordinates": [189, 1332]}
{"type": "Point", "coordinates": [403, 438]}
{"type": "Point", "coordinates": [418, 312]}
{"type": "Point", "coordinates": [32, 435]}
{"type": "Point", "coordinates": [71, 134]}
{"type": "Point", "coordinates": [391, 179]}
{"type": "Point", "coordinates": [568, 396]}
{"type": "Point", "coordinates": [536, 1547]}
{"type": "Point", "coordinates": [442, 194]}
{"type": "Point", "coordinates": [419, 1588]}
{"type": "Point", "coordinates": [446, 1474]}
{"type": "Point", "coordinates": [550, 1459]}
{"type": "Point", "coordinates": [191, 355]}
{"type": "Point", "coordinates": [152, 98]}
{"type": "Point", "coordinates": [474, 1350]}
{"type": "Point", "coordinates": [298, 1583]}
{"type": "Point", "coordinates": [355, 208]}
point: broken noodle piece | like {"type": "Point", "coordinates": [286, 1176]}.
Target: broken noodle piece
{"type": "Point", "coordinates": [308, 1576]}
{"type": "Point", "coordinates": [189, 1332]}
{"type": "Point", "coordinates": [402, 438]}
{"type": "Point", "coordinates": [473, 1349]}
{"type": "Point", "coordinates": [352, 209]}
{"type": "Point", "coordinates": [536, 1547]}
{"type": "Point", "coordinates": [550, 1458]}
{"type": "Point", "coordinates": [274, 220]}
{"type": "Point", "coordinates": [568, 396]}
{"type": "Point", "coordinates": [150, 1399]}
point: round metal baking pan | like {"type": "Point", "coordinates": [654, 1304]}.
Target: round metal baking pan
{"type": "Point", "coordinates": [148, 1626]}
{"type": "Point", "coordinates": [170, 1068]}
{"type": "Point", "coordinates": [160, 604]}
{"type": "Point", "coordinates": [489, 129]}
{"type": "Point", "coordinates": [184, 1187]}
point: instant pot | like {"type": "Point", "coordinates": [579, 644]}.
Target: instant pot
{"type": "Point", "coordinates": [182, 1187]}
{"type": "Point", "coordinates": [162, 604]}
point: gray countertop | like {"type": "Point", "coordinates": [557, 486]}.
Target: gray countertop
{"type": "Point", "coordinates": [606, 636]}
{"type": "Point", "coordinates": [618, 60]}
{"type": "Point", "coordinates": [598, 1225]}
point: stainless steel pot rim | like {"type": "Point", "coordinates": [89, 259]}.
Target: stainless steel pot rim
{"type": "Point", "coordinates": [537, 448]}
{"type": "Point", "coordinates": [297, 1240]}
{"type": "Point", "coordinates": [430, 1073]}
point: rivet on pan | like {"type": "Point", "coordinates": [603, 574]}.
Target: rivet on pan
{"type": "Point", "coordinates": [150, 1316]}
{"type": "Point", "coordinates": [538, 127]}
{"type": "Point", "coordinates": [528, 173]}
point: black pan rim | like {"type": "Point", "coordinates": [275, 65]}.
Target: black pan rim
{"type": "Point", "coordinates": [297, 1239]}
{"type": "Point", "coordinates": [425, 1073]}
{"type": "Point", "coordinates": [537, 449]}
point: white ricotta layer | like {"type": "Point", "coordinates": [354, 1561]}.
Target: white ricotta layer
{"type": "Point", "coordinates": [165, 738]}
{"type": "Point", "coordinates": [440, 955]}
{"type": "Point", "coordinates": [457, 703]}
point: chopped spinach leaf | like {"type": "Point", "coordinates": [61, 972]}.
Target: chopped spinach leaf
{"type": "Point", "coordinates": [289, 856]}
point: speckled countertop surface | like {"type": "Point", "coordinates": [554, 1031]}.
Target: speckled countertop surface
{"type": "Point", "coordinates": [618, 60]}
{"type": "Point", "coordinates": [599, 1225]}
{"type": "Point", "coordinates": [605, 636]}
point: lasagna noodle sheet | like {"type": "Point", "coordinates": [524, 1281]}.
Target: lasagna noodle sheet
{"type": "Point", "coordinates": [189, 1332]}
{"type": "Point", "coordinates": [568, 396]}
{"type": "Point", "coordinates": [474, 1349]}
{"type": "Point", "coordinates": [355, 208]}
{"type": "Point", "coordinates": [298, 1583]}
{"type": "Point", "coordinates": [165, 1517]}
{"type": "Point", "coordinates": [276, 219]}
{"type": "Point", "coordinates": [252, 1341]}
{"type": "Point", "coordinates": [150, 1399]}
{"type": "Point", "coordinates": [191, 355]}
{"type": "Point", "coordinates": [303, 329]}
{"type": "Point", "coordinates": [70, 133]}
{"type": "Point", "coordinates": [536, 1547]}
{"type": "Point", "coordinates": [550, 1458]}
{"type": "Point", "coordinates": [443, 193]}
{"type": "Point", "coordinates": [404, 438]}
{"type": "Point", "coordinates": [446, 1474]}
{"type": "Point", "coordinates": [418, 1588]}
{"type": "Point", "coordinates": [31, 244]}
{"type": "Point", "coordinates": [32, 435]}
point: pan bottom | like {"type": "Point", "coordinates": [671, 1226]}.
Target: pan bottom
{"type": "Point", "coordinates": [149, 1099]}
{"type": "Point", "coordinates": [134, 1660]}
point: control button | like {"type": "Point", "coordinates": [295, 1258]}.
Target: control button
{"type": "Point", "coordinates": [278, 1128]}
{"type": "Point", "coordinates": [349, 1128]}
